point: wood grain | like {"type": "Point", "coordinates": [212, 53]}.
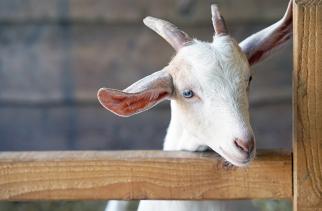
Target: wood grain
{"type": "Point", "coordinates": [307, 145]}
{"type": "Point", "coordinates": [87, 175]}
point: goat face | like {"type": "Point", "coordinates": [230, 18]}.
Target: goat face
{"type": "Point", "coordinates": [207, 83]}
{"type": "Point", "coordinates": [210, 83]}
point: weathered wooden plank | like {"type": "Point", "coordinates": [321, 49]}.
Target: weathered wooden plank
{"type": "Point", "coordinates": [93, 128]}
{"type": "Point", "coordinates": [140, 175]}
{"type": "Point", "coordinates": [61, 63]}
{"type": "Point", "coordinates": [127, 11]}
{"type": "Point", "coordinates": [307, 145]}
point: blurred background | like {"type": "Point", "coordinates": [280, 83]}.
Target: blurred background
{"type": "Point", "coordinates": [56, 54]}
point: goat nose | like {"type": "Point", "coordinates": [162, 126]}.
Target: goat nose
{"type": "Point", "coordinates": [245, 146]}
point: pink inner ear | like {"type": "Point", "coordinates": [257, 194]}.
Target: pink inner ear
{"type": "Point", "coordinates": [126, 104]}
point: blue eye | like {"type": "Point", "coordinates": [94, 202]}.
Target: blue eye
{"type": "Point", "coordinates": [187, 93]}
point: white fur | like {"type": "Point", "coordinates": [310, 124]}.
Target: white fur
{"type": "Point", "coordinates": [218, 74]}
{"type": "Point", "coordinates": [217, 117]}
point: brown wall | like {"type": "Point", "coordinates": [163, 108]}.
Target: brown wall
{"type": "Point", "coordinates": [55, 54]}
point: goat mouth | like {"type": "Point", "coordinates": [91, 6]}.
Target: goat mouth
{"type": "Point", "coordinates": [234, 160]}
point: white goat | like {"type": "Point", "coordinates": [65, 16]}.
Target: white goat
{"type": "Point", "coordinates": [207, 84]}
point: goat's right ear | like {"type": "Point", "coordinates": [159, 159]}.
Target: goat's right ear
{"type": "Point", "coordinates": [139, 97]}
{"type": "Point", "coordinates": [259, 45]}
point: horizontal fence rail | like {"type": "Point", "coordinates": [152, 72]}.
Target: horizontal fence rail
{"type": "Point", "coordinates": [102, 175]}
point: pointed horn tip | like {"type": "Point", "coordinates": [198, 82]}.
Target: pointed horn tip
{"type": "Point", "coordinates": [148, 21]}
{"type": "Point", "coordinates": [214, 9]}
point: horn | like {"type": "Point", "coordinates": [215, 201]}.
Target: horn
{"type": "Point", "coordinates": [218, 21]}
{"type": "Point", "coordinates": [174, 36]}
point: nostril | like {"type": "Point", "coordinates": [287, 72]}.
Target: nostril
{"type": "Point", "coordinates": [245, 146]}
{"type": "Point", "coordinates": [241, 145]}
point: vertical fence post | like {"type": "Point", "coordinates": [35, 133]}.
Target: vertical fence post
{"type": "Point", "coordinates": [307, 105]}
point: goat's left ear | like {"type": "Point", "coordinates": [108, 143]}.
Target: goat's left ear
{"type": "Point", "coordinates": [140, 96]}
{"type": "Point", "coordinates": [259, 45]}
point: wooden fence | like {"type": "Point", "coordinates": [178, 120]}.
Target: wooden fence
{"type": "Point", "coordinates": [141, 175]}
{"type": "Point", "coordinates": [198, 176]}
